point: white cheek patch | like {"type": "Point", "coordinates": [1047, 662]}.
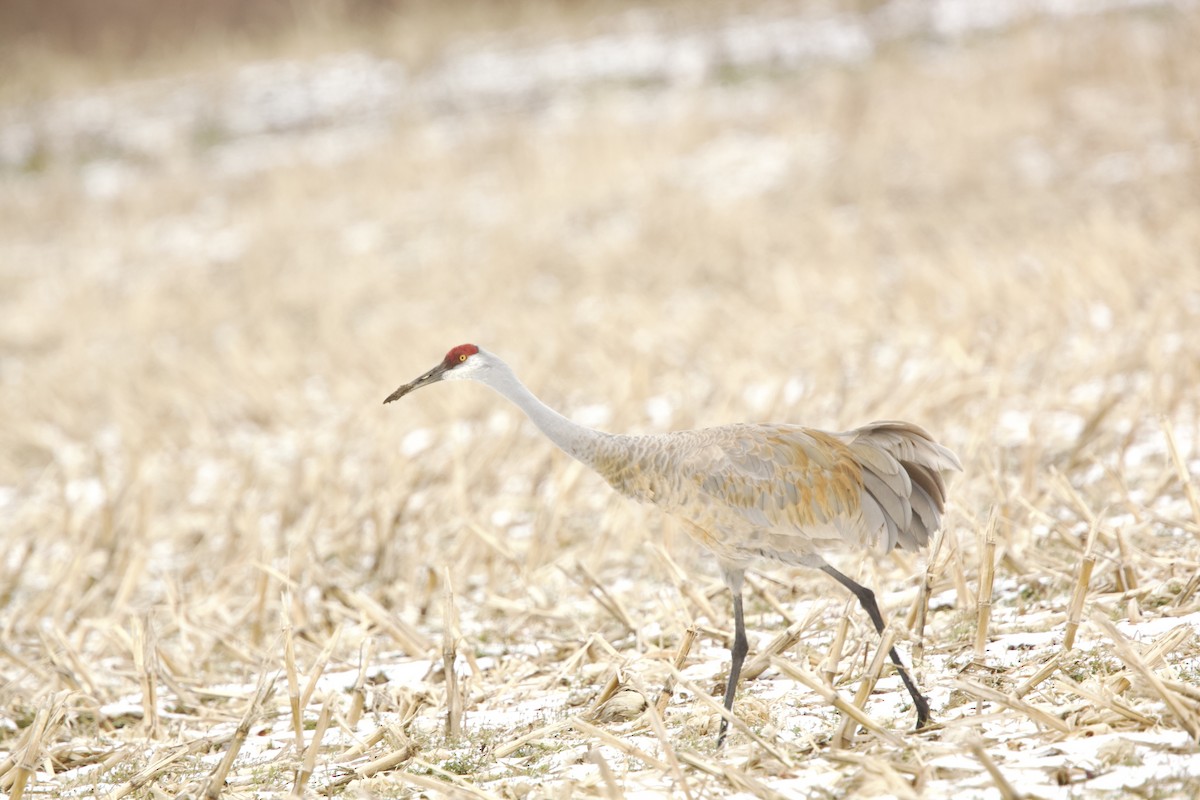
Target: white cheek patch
{"type": "Point", "coordinates": [464, 371]}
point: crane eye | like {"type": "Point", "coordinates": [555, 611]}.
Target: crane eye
{"type": "Point", "coordinates": [462, 357]}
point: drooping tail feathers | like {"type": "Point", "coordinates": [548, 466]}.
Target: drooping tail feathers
{"type": "Point", "coordinates": [904, 491]}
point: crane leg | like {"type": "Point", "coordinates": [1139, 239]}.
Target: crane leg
{"type": "Point", "coordinates": [737, 653]}
{"type": "Point", "coordinates": [866, 599]}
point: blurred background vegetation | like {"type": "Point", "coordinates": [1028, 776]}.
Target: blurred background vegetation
{"type": "Point", "coordinates": [43, 46]}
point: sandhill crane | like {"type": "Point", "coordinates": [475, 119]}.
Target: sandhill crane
{"type": "Point", "coordinates": [745, 492]}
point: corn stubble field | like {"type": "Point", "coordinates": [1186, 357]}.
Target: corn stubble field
{"type": "Point", "coordinates": [229, 570]}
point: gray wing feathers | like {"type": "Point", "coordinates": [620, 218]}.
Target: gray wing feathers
{"type": "Point", "coordinates": [908, 442]}
{"type": "Point", "coordinates": [902, 476]}
{"type": "Point", "coordinates": [897, 512]}
{"type": "Point", "coordinates": [926, 514]}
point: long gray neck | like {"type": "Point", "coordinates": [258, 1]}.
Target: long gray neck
{"type": "Point", "coordinates": [577, 441]}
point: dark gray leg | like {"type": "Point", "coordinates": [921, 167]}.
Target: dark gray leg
{"type": "Point", "coordinates": [737, 654]}
{"type": "Point", "coordinates": [866, 599]}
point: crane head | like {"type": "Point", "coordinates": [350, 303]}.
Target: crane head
{"type": "Point", "coordinates": [460, 362]}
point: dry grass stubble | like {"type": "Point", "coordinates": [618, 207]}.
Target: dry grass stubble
{"type": "Point", "coordinates": [998, 240]}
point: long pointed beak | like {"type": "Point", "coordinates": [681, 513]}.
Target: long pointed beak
{"type": "Point", "coordinates": [433, 376]}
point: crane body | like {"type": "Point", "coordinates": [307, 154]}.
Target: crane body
{"type": "Point", "coordinates": [748, 491]}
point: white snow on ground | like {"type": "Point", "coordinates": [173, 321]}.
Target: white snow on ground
{"type": "Point", "coordinates": [1106, 764]}
{"type": "Point", "coordinates": [1115, 762]}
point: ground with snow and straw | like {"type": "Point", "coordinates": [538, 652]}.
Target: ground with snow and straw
{"type": "Point", "coordinates": [230, 570]}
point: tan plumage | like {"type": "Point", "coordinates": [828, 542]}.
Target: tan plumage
{"type": "Point", "coordinates": [785, 492]}
{"type": "Point", "coordinates": [745, 492]}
